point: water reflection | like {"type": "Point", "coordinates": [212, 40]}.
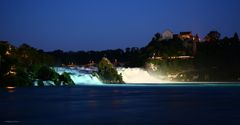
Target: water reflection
{"type": "Point", "coordinates": [92, 103]}
{"type": "Point", "coordinates": [121, 105]}
{"type": "Point", "coordinates": [11, 89]}
{"type": "Point", "coordinates": [12, 122]}
{"type": "Point", "coordinates": [116, 103]}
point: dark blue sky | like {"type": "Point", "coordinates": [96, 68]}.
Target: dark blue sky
{"type": "Point", "coordinates": [110, 24]}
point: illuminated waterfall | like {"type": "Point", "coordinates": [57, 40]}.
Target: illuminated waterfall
{"type": "Point", "coordinates": [79, 75]}
{"type": "Point", "coordinates": [83, 76]}
{"type": "Point", "coordinates": [139, 75]}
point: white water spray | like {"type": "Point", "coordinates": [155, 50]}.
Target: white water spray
{"type": "Point", "coordinates": [83, 76]}
{"type": "Point", "coordinates": [80, 75]}
{"type": "Point", "coordinates": [139, 75]}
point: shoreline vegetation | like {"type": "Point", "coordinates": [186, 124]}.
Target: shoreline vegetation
{"type": "Point", "coordinates": [180, 57]}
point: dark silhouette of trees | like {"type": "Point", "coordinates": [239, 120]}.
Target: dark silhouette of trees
{"type": "Point", "coordinates": [220, 59]}
{"type": "Point", "coordinates": [213, 36]}
{"type": "Point", "coordinates": [18, 66]}
{"type": "Point", "coordinates": [7, 63]}
{"type": "Point", "coordinates": [235, 37]}
{"type": "Point", "coordinates": [165, 48]}
{"type": "Point", "coordinates": [130, 57]}
{"type": "Point", "coordinates": [158, 36]}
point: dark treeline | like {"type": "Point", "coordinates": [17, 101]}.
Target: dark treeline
{"type": "Point", "coordinates": [130, 57]}
{"type": "Point", "coordinates": [23, 65]}
{"type": "Point", "coordinates": [19, 66]}
{"type": "Point", "coordinates": [208, 49]}
{"type": "Point", "coordinates": [220, 58]}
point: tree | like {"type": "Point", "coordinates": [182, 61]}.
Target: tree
{"type": "Point", "coordinates": [235, 37]}
{"type": "Point", "coordinates": [107, 73]}
{"type": "Point", "coordinates": [45, 73]}
{"type": "Point", "coordinates": [158, 36]}
{"type": "Point", "coordinates": [66, 79]}
{"type": "Point", "coordinates": [213, 36]}
{"type": "Point", "coordinates": [7, 62]}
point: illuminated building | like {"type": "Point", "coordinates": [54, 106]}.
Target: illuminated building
{"type": "Point", "coordinates": [186, 36]}
{"type": "Point", "coordinates": [167, 34]}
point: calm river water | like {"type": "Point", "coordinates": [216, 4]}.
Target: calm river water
{"type": "Point", "coordinates": [167, 104]}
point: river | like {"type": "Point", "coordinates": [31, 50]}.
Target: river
{"type": "Point", "coordinates": [164, 104]}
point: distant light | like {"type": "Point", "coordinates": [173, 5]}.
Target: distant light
{"type": "Point", "coordinates": [7, 53]}
{"type": "Point", "coordinates": [10, 87]}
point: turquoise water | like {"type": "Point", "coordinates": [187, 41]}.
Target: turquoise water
{"type": "Point", "coordinates": [161, 104]}
{"type": "Point", "coordinates": [173, 84]}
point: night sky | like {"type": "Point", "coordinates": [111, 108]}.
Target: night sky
{"type": "Point", "coordinates": [110, 24]}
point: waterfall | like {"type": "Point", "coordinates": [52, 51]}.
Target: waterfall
{"type": "Point", "coordinates": [83, 76]}
{"type": "Point", "coordinates": [139, 75]}
{"type": "Point", "coordinates": [80, 75]}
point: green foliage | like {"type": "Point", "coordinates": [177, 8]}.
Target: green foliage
{"type": "Point", "coordinates": [45, 73]}
{"type": "Point", "coordinates": [215, 60]}
{"type": "Point", "coordinates": [48, 74]}
{"type": "Point", "coordinates": [166, 67]}
{"type": "Point", "coordinates": [22, 78]}
{"type": "Point", "coordinates": [107, 73]}
{"type": "Point", "coordinates": [21, 66]}
{"type": "Point", "coordinates": [31, 58]}
{"type": "Point", "coordinates": [66, 79]}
